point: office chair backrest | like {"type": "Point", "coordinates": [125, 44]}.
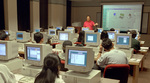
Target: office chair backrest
{"type": "Point", "coordinates": [117, 71]}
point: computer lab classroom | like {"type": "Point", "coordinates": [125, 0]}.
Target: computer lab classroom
{"type": "Point", "coordinates": [74, 41]}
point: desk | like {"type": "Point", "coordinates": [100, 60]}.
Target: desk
{"type": "Point", "coordinates": [136, 63]}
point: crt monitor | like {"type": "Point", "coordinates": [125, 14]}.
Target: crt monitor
{"type": "Point", "coordinates": [89, 31]}
{"type": "Point", "coordinates": [85, 28]}
{"type": "Point", "coordinates": [117, 31]}
{"type": "Point", "coordinates": [111, 35]}
{"type": "Point", "coordinates": [35, 53]}
{"type": "Point", "coordinates": [92, 38]}
{"type": "Point", "coordinates": [22, 36]}
{"type": "Point", "coordinates": [8, 50]}
{"type": "Point", "coordinates": [59, 28]}
{"type": "Point", "coordinates": [51, 32]}
{"type": "Point", "coordinates": [100, 30]}
{"type": "Point", "coordinates": [79, 59]}
{"type": "Point", "coordinates": [63, 36]}
{"type": "Point", "coordinates": [71, 28]}
{"type": "Point", "coordinates": [123, 40]}
{"type": "Point", "coordinates": [37, 30]}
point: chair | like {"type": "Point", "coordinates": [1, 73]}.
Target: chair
{"type": "Point", "coordinates": [117, 71]}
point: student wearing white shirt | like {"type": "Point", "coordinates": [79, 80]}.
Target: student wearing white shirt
{"type": "Point", "coordinates": [5, 75]}
{"type": "Point", "coordinates": [112, 56]}
{"type": "Point", "coordinates": [50, 70]}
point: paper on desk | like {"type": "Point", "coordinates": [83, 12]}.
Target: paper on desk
{"type": "Point", "coordinates": [18, 77]}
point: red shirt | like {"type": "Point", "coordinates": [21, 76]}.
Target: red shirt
{"type": "Point", "coordinates": [89, 24]}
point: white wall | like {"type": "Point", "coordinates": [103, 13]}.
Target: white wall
{"type": "Point", "coordinates": [10, 13]}
{"type": "Point", "coordinates": [57, 15]}
{"type": "Point", "coordinates": [34, 15]}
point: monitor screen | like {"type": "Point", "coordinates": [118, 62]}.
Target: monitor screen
{"type": "Point", "coordinates": [85, 29]}
{"type": "Point", "coordinates": [117, 31]}
{"type": "Point", "coordinates": [52, 32]}
{"type": "Point", "coordinates": [58, 28]}
{"type": "Point", "coordinates": [63, 36]}
{"type": "Point", "coordinates": [123, 40]}
{"type": "Point", "coordinates": [33, 53]}
{"type": "Point", "coordinates": [6, 32]}
{"type": "Point", "coordinates": [37, 30]}
{"type": "Point", "coordinates": [77, 58]}
{"type": "Point", "coordinates": [3, 49]}
{"type": "Point", "coordinates": [100, 30]}
{"type": "Point", "coordinates": [19, 35]}
{"type": "Point", "coordinates": [111, 35]}
{"type": "Point", "coordinates": [91, 38]}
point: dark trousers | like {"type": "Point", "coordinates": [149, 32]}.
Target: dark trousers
{"type": "Point", "coordinates": [96, 67]}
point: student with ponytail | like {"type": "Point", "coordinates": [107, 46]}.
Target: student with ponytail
{"type": "Point", "coordinates": [50, 71]}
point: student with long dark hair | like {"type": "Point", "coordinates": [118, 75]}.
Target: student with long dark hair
{"type": "Point", "coordinates": [50, 71]}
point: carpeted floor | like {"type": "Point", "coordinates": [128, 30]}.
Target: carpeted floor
{"type": "Point", "coordinates": [144, 76]}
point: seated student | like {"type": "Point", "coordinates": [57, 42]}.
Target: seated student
{"type": "Point", "coordinates": [65, 43]}
{"type": "Point", "coordinates": [81, 38]}
{"type": "Point", "coordinates": [104, 35]}
{"type": "Point", "coordinates": [38, 37]}
{"type": "Point", "coordinates": [76, 33]}
{"type": "Point", "coordinates": [4, 36]}
{"type": "Point", "coordinates": [135, 43]}
{"type": "Point", "coordinates": [50, 70]}
{"type": "Point", "coordinates": [112, 29]}
{"type": "Point", "coordinates": [5, 75]}
{"type": "Point", "coordinates": [112, 56]}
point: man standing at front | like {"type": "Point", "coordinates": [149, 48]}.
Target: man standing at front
{"type": "Point", "coordinates": [89, 23]}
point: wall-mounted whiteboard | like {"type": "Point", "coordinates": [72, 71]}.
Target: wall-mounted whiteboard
{"type": "Point", "coordinates": [122, 17]}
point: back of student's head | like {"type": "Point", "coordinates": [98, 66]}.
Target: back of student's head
{"type": "Point", "coordinates": [50, 70]}
{"type": "Point", "coordinates": [76, 30]}
{"type": "Point", "coordinates": [107, 44]}
{"type": "Point", "coordinates": [63, 29]}
{"type": "Point", "coordinates": [66, 43]}
{"type": "Point", "coordinates": [112, 29]}
{"type": "Point", "coordinates": [38, 37]}
{"type": "Point", "coordinates": [3, 35]}
{"type": "Point", "coordinates": [81, 37]}
{"type": "Point", "coordinates": [96, 30]}
{"type": "Point", "coordinates": [133, 32]}
{"type": "Point", "coordinates": [104, 35]}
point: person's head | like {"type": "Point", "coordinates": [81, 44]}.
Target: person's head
{"type": "Point", "coordinates": [112, 29]}
{"type": "Point", "coordinates": [81, 37]}
{"type": "Point", "coordinates": [63, 29]}
{"type": "Point", "coordinates": [50, 70]}
{"type": "Point", "coordinates": [104, 35]}
{"type": "Point", "coordinates": [88, 18]}
{"type": "Point", "coordinates": [76, 30]}
{"type": "Point", "coordinates": [96, 30]}
{"type": "Point", "coordinates": [107, 44]}
{"type": "Point", "coordinates": [66, 43]}
{"type": "Point", "coordinates": [133, 32]}
{"type": "Point", "coordinates": [4, 36]}
{"type": "Point", "coordinates": [38, 37]}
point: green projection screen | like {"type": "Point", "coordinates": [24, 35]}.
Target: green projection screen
{"type": "Point", "coordinates": [122, 17]}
